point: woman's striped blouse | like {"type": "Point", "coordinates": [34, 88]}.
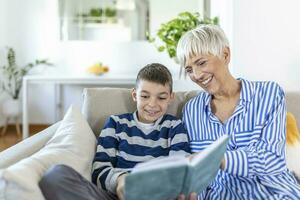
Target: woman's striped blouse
{"type": "Point", "coordinates": [255, 158]}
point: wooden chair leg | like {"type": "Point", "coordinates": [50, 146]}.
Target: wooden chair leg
{"type": "Point", "coordinates": [5, 127]}
{"type": "Point", "coordinates": [18, 127]}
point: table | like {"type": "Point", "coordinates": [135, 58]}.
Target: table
{"type": "Point", "coordinates": [59, 81]}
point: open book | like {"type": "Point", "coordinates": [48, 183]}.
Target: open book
{"type": "Point", "coordinates": [166, 178]}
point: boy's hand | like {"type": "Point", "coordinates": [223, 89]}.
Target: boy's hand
{"type": "Point", "coordinates": [193, 155]}
{"type": "Point", "coordinates": [192, 196]}
{"type": "Point", "coordinates": [120, 186]}
{"type": "Point", "coordinates": [222, 165]}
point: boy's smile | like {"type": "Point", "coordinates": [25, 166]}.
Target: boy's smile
{"type": "Point", "coordinates": [152, 100]}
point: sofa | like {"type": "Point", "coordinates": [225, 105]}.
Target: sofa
{"type": "Point", "coordinates": [98, 104]}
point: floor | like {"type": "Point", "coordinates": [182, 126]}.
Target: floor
{"type": "Point", "coordinates": [11, 138]}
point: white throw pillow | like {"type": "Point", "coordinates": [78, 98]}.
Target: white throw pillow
{"type": "Point", "coordinates": [73, 144]}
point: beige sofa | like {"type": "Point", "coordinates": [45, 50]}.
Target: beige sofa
{"type": "Point", "coordinates": [98, 104]}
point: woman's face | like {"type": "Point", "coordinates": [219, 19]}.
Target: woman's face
{"type": "Point", "coordinates": [209, 71]}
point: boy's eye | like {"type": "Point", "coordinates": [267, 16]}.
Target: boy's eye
{"type": "Point", "coordinates": [162, 98]}
{"type": "Point", "coordinates": [144, 96]}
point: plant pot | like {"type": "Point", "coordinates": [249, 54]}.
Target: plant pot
{"type": "Point", "coordinates": [11, 108]}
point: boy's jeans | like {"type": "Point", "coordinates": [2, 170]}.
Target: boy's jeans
{"type": "Point", "coordinates": [61, 182]}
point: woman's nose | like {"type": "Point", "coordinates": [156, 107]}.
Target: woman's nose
{"type": "Point", "coordinates": [197, 73]}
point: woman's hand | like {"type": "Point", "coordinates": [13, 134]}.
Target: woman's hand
{"type": "Point", "coordinates": [120, 186]}
{"type": "Point", "coordinates": [190, 157]}
{"type": "Point", "coordinates": [192, 196]}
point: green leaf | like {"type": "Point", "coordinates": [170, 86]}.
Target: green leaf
{"type": "Point", "coordinates": [170, 32]}
{"type": "Point", "coordinates": [161, 48]}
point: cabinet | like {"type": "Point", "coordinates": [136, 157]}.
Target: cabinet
{"type": "Point", "coordinates": [103, 20]}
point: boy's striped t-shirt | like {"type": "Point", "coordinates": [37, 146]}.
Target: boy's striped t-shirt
{"type": "Point", "coordinates": [124, 142]}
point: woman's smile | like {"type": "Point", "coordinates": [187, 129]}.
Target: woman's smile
{"type": "Point", "coordinates": [206, 81]}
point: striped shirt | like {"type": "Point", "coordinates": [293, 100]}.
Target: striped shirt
{"type": "Point", "coordinates": [255, 158]}
{"type": "Point", "coordinates": [124, 142]}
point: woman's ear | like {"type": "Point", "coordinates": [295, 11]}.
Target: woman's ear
{"type": "Point", "coordinates": [133, 94]}
{"type": "Point", "coordinates": [226, 53]}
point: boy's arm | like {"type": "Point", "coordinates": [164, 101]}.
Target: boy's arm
{"type": "Point", "coordinates": [179, 139]}
{"type": "Point", "coordinates": [104, 172]}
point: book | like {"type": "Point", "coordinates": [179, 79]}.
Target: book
{"type": "Point", "coordinates": [166, 178]}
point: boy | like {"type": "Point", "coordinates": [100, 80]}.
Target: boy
{"type": "Point", "coordinates": [136, 137]}
{"type": "Point", "coordinates": [130, 138]}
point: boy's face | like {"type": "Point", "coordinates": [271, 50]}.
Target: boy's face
{"type": "Point", "coordinates": [152, 100]}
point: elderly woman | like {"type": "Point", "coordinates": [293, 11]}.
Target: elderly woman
{"type": "Point", "coordinates": [252, 113]}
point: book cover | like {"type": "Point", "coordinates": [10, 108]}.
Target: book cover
{"type": "Point", "coordinates": [166, 178]}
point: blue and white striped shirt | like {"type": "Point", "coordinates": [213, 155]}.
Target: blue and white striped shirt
{"type": "Point", "coordinates": [123, 143]}
{"type": "Point", "coordinates": [255, 158]}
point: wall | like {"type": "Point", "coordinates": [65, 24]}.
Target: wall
{"type": "Point", "coordinates": [2, 57]}
{"type": "Point", "coordinates": [32, 30]}
{"type": "Point", "coordinates": [30, 27]}
{"type": "Point", "coordinates": [266, 41]}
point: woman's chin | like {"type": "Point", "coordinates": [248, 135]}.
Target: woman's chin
{"type": "Point", "coordinates": [209, 90]}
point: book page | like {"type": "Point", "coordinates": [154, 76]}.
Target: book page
{"type": "Point", "coordinates": [158, 163]}
{"type": "Point", "coordinates": [205, 166]}
{"type": "Point", "coordinates": [211, 150]}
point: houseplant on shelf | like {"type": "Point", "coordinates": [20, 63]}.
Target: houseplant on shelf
{"type": "Point", "coordinates": [170, 32]}
{"type": "Point", "coordinates": [11, 82]}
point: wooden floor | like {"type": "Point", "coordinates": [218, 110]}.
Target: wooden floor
{"type": "Point", "coordinates": [11, 138]}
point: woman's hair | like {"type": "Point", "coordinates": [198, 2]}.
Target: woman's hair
{"type": "Point", "coordinates": [203, 40]}
{"type": "Point", "coordinates": [156, 73]}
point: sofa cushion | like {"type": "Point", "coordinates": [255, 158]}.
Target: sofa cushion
{"type": "Point", "coordinates": [73, 144]}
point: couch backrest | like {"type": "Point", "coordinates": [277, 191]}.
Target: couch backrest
{"type": "Point", "coordinates": [293, 105]}
{"type": "Point", "coordinates": [100, 103]}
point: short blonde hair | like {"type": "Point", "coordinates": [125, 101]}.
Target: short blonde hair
{"type": "Point", "coordinates": [203, 40]}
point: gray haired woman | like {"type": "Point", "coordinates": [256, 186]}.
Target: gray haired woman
{"type": "Point", "coordinates": [253, 113]}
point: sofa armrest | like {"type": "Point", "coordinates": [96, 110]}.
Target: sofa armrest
{"type": "Point", "coordinates": [26, 147]}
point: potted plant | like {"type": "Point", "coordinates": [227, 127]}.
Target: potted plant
{"type": "Point", "coordinates": [110, 14]}
{"type": "Point", "coordinates": [170, 32]}
{"type": "Point", "coordinates": [11, 81]}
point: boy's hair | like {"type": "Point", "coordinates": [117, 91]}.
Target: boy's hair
{"type": "Point", "coordinates": [203, 40]}
{"type": "Point", "coordinates": [156, 73]}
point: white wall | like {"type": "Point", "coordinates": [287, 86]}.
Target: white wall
{"type": "Point", "coordinates": [31, 28]}
{"type": "Point", "coordinates": [2, 57]}
{"type": "Point", "coordinates": [266, 41]}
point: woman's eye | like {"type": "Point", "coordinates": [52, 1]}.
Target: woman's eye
{"type": "Point", "coordinates": [201, 63]}
{"type": "Point", "coordinates": [188, 70]}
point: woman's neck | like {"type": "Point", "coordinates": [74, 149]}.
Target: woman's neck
{"type": "Point", "coordinates": [230, 89]}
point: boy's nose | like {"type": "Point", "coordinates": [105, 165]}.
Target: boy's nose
{"type": "Point", "coordinates": [152, 102]}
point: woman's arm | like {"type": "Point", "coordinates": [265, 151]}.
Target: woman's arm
{"type": "Point", "coordinates": [266, 156]}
